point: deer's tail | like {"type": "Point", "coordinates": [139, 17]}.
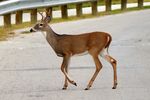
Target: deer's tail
{"type": "Point", "coordinates": [109, 39]}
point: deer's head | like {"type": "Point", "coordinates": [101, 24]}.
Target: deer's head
{"type": "Point", "coordinates": [43, 24]}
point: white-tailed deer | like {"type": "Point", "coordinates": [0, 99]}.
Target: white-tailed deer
{"type": "Point", "coordinates": [95, 43]}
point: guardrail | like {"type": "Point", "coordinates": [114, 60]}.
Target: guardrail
{"type": "Point", "coordinates": [18, 6]}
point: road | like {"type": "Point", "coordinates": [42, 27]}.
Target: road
{"type": "Point", "coordinates": [30, 70]}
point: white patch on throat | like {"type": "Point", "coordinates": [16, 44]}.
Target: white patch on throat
{"type": "Point", "coordinates": [44, 33]}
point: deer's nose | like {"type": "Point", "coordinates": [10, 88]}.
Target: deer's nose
{"type": "Point", "coordinates": [31, 30]}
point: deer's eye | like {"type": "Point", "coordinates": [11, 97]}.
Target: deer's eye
{"type": "Point", "coordinates": [41, 24]}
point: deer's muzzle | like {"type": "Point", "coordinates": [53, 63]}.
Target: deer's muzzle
{"type": "Point", "coordinates": [32, 30]}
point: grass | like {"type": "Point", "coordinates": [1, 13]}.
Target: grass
{"type": "Point", "coordinates": [6, 32]}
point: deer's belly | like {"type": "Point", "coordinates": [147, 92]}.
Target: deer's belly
{"type": "Point", "coordinates": [81, 54]}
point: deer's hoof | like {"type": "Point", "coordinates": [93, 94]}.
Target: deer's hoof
{"type": "Point", "coordinates": [75, 84]}
{"type": "Point", "coordinates": [86, 89]}
{"type": "Point", "coordinates": [114, 87]}
{"type": "Point", "coordinates": [64, 88]}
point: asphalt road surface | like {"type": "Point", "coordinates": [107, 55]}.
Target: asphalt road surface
{"type": "Point", "coordinates": [30, 70]}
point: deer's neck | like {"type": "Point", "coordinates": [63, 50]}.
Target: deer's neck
{"type": "Point", "coordinates": [51, 37]}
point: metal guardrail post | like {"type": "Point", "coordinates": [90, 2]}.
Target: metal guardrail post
{"type": "Point", "coordinates": [7, 20]}
{"type": "Point", "coordinates": [64, 11]}
{"type": "Point", "coordinates": [33, 15]}
{"type": "Point", "coordinates": [94, 7]}
{"type": "Point", "coordinates": [108, 5]}
{"type": "Point", "coordinates": [19, 17]}
{"type": "Point", "coordinates": [123, 4]}
{"type": "Point", "coordinates": [140, 3]}
{"type": "Point", "coordinates": [79, 9]}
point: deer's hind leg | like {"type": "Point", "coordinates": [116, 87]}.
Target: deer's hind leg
{"type": "Point", "coordinates": [113, 62]}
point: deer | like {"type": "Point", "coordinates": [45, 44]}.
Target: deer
{"type": "Point", "coordinates": [65, 46]}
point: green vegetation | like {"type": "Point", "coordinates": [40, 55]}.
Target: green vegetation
{"type": "Point", "coordinates": [5, 32]}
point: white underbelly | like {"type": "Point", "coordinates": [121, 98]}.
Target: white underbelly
{"type": "Point", "coordinates": [81, 54]}
{"type": "Point", "coordinates": [103, 53]}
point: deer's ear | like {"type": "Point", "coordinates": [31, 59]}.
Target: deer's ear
{"type": "Point", "coordinates": [48, 16]}
{"type": "Point", "coordinates": [48, 12]}
{"type": "Point", "coordinates": [47, 19]}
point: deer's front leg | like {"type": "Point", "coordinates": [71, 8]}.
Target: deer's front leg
{"type": "Point", "coordinates": [66, 81]}
{"type": "Point", "coordinates": [98, 68]}
{"type": "Point", "coordinates": [63, 67]}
